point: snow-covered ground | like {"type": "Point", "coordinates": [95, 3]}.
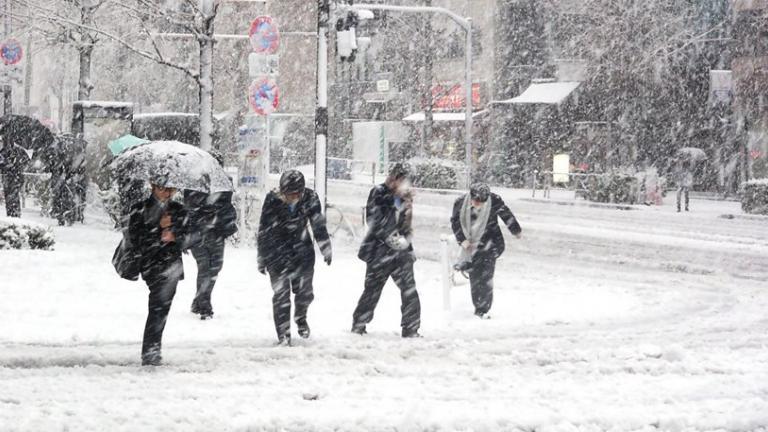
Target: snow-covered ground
{"type": "Point", "coordinates": [603, 320]}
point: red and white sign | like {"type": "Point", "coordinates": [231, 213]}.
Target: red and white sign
{"type": "Point", "coordinates": [452, 97]}
{"type": "Point", "coordinates": [264, 96]}
{"type": "Point", "coordinates": [11, 52]}
{"type": "Point", "coordinates": [264, 35]}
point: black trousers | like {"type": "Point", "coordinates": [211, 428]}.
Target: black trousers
{"type": "Point", "coordinates": [12, 183]}
{"type": "Point", "coordinates": [209, 256]}
{"type": "Point", "coordinates": [297, 278]}
{"type": "Point", "coordinates": [376, 275]}
{"type": "Point", "coordinates": [481, 281]}
{"type": "Point", "coordinates": [162, 288]}
{"type": "Point", "coordinates": [682, 190]}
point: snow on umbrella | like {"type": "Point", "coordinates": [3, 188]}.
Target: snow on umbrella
{"type": "Point", "coordinates": [25, 132]}
{"type": "Point", "coordinates": [187, 167]}
{"type": "Point", "coordinates": [693, 153]}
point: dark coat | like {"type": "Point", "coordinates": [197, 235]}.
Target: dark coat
{"type": "Point", "coordinates": [492, 241]}
{"type": "Point", "coordinates": [383, 221]}
{"type": "Point", "coordinates": [211, 215]}
{"type": "Point", "coordinates": [156, 257]}
{"type": "Point", "coordinates": [284, 241]}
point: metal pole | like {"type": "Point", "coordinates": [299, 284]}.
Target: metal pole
{"type": "Point", "coordinates": [321, 112]}
{"type": "Point", "coordinates": [468, 105]}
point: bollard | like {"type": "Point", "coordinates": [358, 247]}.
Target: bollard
{"type": "Point", "coordinates": [446, 270]}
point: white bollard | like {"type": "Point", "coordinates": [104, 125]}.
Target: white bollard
{"type": "Point", "coordinates": [446, 270]}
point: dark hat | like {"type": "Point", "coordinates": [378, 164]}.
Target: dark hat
{"type": "Point", "coordinates": [399, 170]}
{"type": "Point", "coordinates": [480, 192]}
{"type": "Point", "coordinates": [292, 181]}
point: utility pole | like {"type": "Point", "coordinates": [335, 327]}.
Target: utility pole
{"type": "Point", "coordinates": [321, 112]}
{"type": "Point", "coordinates": [427, 99]}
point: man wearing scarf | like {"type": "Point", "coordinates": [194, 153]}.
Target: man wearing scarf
{"type": "Point", "coordinates": [476, 227]}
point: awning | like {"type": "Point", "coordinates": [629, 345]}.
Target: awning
{"type": "Point", "coordinates": [543, 93]}
{"type": "Point", "coordinates": [443, 116]}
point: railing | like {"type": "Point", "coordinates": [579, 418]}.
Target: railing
{"type": "Point", "coordinates": [577, 182]}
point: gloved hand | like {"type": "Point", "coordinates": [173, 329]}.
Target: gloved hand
{"type": "Point", "coordinates": [262, 269]}
{"type": "Point", "coordinates": [397, 242]}
{"type": "Point", "coordinates": [328, 258]}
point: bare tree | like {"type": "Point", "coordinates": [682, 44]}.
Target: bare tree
{"type": "Point", "coordinates": [152, 22]}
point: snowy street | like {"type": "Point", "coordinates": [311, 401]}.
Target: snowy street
{"type": "Point", "coordinates": [602, 320]}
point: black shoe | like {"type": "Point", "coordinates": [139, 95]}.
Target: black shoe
{"type": "Point", "coordinates": [195, 309]}
{"type": "Point", "coordinates": [206, 315]}
{"type": "Point", "coordinates": [359, 329]}
{"type": "Point", "coordinates": [410, 334]}
{"type": "Point", "coordinates": [483, 315]}
{"type": "Point", "coordinates": [152, 358]}
{"type": "Point", "coordinates": [303, 329]}
{"type": "Point", "coordinates": [284, 340]}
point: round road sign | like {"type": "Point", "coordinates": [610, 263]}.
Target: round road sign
{"type": "Point", "coordinates": [264, 96]}
{"type": "Point", "coordinates": [264, 36]}
{"type": "Point", "coordinates": [11, 52]}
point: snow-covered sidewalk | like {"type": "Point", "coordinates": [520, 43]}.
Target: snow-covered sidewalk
{"type": "Point", "coordinates": [590, 331]}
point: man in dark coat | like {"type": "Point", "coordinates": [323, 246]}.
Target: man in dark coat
{"type": "Point", "coordinates": [68, 179]}
{"type": "Point", "coordinates": [213, 218]}
{"type": "Point", "coordinates": [387, 252]}
{"type": "Point", "coordinates": [286, 250]}
{"type": "Point", "coordinates": [13, 160]}
{"type": "Point", "coordinates": [476, 227]}
{"type": "Point", "coordinates": [155, 232]}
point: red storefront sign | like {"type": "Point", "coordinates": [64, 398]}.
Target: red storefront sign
{"type": "Point", "coordinates": [452, 97]}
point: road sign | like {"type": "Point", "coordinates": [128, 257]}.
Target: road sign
{"type": "Point", "coordinates": [263, 65]}
{"type": "Point", "coordinates": [264, 36]}
{"type": "Point", "coordinates": [264, 96]}
{"type": "Point", "coordinates": [11, 52]}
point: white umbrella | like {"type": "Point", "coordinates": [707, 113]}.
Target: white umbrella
{"type": "Point", "coordinates": [693, 153]}
{"type": "Point", "coordinates": [186, 167]}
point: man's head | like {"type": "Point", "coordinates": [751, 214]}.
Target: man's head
{"type": "Point", "coordinates": [398, 176]}
{"type": "Point", "coordinates": [292, 186]}
{"type": "Point", "coordinates": [161, 190]}
{"type": "Point", "coordinates": [479, 194]}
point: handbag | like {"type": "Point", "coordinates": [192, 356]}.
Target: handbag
{"type": "Point", "coordinates": [126, 261]}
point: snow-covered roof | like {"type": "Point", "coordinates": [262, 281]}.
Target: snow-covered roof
{"type": "Point", "coordinates": [442, 116]}
{"type": "Point", "coordinates": [104, 104]}
{"type": "Point", "coordinates": [544, 93]}
{"type": "Point", "coordinates": [163, 114]}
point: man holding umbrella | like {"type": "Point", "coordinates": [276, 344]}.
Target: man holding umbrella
{"type": "Point", "coordinates": [286, 250]}
{"type": "Point", "coordinates": [158, 227]}
{"type": "Point", "coordinates": [155, 231]}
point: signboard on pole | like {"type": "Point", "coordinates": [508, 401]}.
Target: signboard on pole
{"type": "Point", "coordinates": [264, 96]}
{"type": "Point", "coordinates": [264, 36]}
{"type": "Point", "coordinates": [11, 52]}
{"type": "Point", "coordinates": [263, 65]}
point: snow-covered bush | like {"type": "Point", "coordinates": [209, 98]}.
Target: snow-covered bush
{"type": "Point", "coordinates": [17, 234]}
{"type": "Point", "coordinates": [616, 187]}
{"type": "Point", "coordinates": [433, 174]}
{"type": "Point", "coordinates": [754, 196]}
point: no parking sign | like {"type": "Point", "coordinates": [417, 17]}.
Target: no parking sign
{"type": "Point", "coordinates": [264, 36]}
{"type": "Point", "coordinates": [264, 96]}
{"type": "Point", "coordinates": [11, 52]}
